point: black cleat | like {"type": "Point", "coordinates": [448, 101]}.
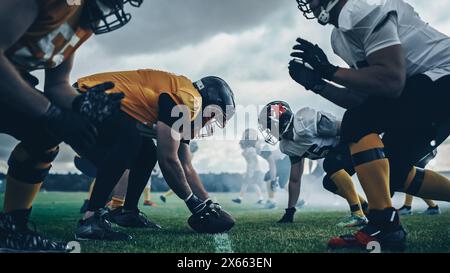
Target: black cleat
{"type": "Point", "coordinates": [131, 219]}
{"type": "Point", "coordinates": [17, 237]}
{"type": "Point", "coordinates": [163, 198]}
{"type": "Point", "coordinates": [98, 227]}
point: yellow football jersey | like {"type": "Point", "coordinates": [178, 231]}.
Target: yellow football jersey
{"type": "Point", "coordinates": [142, 89]}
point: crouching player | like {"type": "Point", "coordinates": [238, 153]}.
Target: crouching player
{"type": "Point", "coordinates": [314, 135]}
{"type": "Point", "coordinates": [178, 109]}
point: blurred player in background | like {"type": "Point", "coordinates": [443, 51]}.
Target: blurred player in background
{"type": "Point", "coordinates": [253, 172]}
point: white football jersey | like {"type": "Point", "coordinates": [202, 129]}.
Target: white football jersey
{"type": "Point", "coordinates": [366, 26]}
{"type": "Point", "coordinates": [315, 134]}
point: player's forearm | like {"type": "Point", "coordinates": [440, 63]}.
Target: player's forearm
{"type": "Point", "coordinates": [294, 192]}
{"type": "Point", "coordinates": [61, 94]}
{"type": "Point", "coordinates": [195, 183]}
{"type": "Point", "coordinates": [174, 175]}
{"type": "Point", "coordinates": [15, 92]}
{"type": "Point", "coordinates": [376, 80]}
{"type": "Point", "coordinates": [343, 97]}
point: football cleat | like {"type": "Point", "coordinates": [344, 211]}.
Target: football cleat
{"type": "Point", "coordinates": [260, 202]}
{"type": "Point", "coordinates": [405, 211]}
{"type": "Point", "coordinates": [431, 211]}
{"type": "Point", "coordinates": [17, 237]}
{"type": "Point", "coordinates": [288, 216]}
{"type": "Point", "coordinates": [383, 227]}
{"type": "Point", "coordinates": [211, 218]}
{"type": "Point", "coordinates": [131, 219]}
{"type": "Point", "coordinates": [149, 203]}
{"type": "Point", "coordinates": [353, 221]}
{"type": "Point", "coordinates": [163, 198]}
{"type": "Point", "coordinates": [98, 227]}
{"type": "Point", "coordinates": [394, 240]}
{"type": "Point", "coordinates": [237, 200]}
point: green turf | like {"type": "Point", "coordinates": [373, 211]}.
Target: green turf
{"type": "Point", "coordinates": [56, 214]}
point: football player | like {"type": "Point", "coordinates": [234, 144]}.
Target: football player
{"type": "Point", "coordinates": [43, 35]}
{"type": "Point", "coordinates": [314, 135]}
{"type": "Point", "coordinates": [177, 109]}
{"type": "Point", "coordinates": [279, 168]}
{"type": "Point", "coordinates": [253, 174]}
{"type": "Point", "coordinates": [397, 84]}
{"type": "Point", "coordinates": [193, 147]}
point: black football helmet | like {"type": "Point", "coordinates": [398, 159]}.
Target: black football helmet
{"type": "Point", "coordinates": [274, 121]}
{"type": "Point", "coordinates": [325, 7]}
{"type": "Point", "coordinates": [103, 16]}
{"type": "Point", "coordinates": [218, 99]}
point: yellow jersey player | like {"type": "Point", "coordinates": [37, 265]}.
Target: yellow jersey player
{"type": "Point", "coordinates": [177, 109]}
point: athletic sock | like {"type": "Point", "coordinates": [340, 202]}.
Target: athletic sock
{"type": "Point", "coordinates": [19, 195]}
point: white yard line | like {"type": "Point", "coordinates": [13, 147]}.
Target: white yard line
{"type": "Point", "coordinates": [222, 243]}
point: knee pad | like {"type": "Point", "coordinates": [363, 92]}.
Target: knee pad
{"type": "Point", "coordinates": [416, 183]}
{"type": "Point", "coordinates": [329, 184]}
{"type": "Point", "coordinates": [368, 156]}
{"type": "Point", "coordinates": [334, 163]}
{"type": "Point", "coordinates": [31, 165]}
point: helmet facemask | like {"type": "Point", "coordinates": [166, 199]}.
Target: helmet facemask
{"type": "Point", "coordinates": [104, 16]}
{"type": "Point", "coordinates": [325, 8]}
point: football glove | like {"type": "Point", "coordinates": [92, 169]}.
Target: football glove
{"type": "Point", "coordinates": [313, 55]}
{"type": "Point", "coordinates": [306, 77]}
{"type": "Point", "coordinates": [97, 105]}
{"type": "Point", "coordinates": [209, 217]}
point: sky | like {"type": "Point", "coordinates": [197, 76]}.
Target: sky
{"type": "Point", "coordinates": [246, 42]}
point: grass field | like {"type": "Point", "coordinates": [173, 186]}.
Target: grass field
{"type": "Point", "coordinates": [255, 230]}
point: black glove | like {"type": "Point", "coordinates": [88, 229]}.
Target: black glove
{"type": "Point", "coordinates": [70, 127]}
{"type": "Point", "coordinates": [288, 216]}
{"type": "Point", "coordinates": [207, 208]}
{"type": "Point", "coordinates": [315, 57]}
{"type": "Point", "coordinates": [306, 77]}
{"type": "Point", "coordinates": [96, 105]}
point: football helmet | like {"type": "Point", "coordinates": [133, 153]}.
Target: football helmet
{"type": "Point", "coordinates": [103, 16]}
{"type": "Point", "coordinates": [218, 103]}
{"type": "Point", "coordinates": [325, 8]}
{"type": "Point", "coordinates": [274, 121]}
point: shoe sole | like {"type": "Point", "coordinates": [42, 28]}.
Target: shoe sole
{"type": "Point", "coordinates": [9, 250]}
